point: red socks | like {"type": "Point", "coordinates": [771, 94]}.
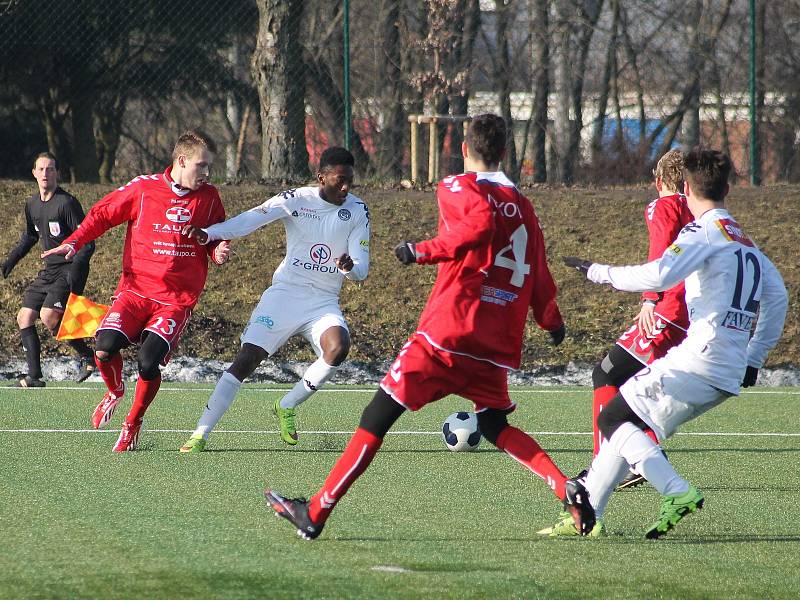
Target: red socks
{"type": "Point", "coordinates": [352, 463]}
{"type": "Point", "coordinates": [524, 449]}
{"type": "Point", "coordinates": [145, 392]}
{"type": "Point", "coordinates": [600, 398]}
{"type": "Point", "coordinates": [111, 372]}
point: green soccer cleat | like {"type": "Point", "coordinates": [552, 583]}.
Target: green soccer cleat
{"type": "Point", "coordinates": [196, 443]}
{"type": "Point", "coordinates": [673, 509]}
{"type": "Point", "coordinates": [565, 527]}
{"type": "Point", "coordinates": [286, 420]}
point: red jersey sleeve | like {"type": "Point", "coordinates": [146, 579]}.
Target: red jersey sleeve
{"type": "Point", "coordinates": [543, 297]}
{"type": "Point", "coordinates": [113, 209]}
{"type": "Point", "coordinates": [466, 221]}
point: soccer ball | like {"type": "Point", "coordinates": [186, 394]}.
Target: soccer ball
{"type": "Point", "coordinates": [460, 432]}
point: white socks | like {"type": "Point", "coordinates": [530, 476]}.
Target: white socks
{"type": "Point", "coordinates": [606, 471]}
{"type": "Point", "coordinates": [314, 378]}
{"type": "Point", "coordinates": [221, 399]}
{"type": "Point", "coordinates": [641, 452]}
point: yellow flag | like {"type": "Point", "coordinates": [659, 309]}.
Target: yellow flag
{"type": "Point", "coordinates": [81, 318]}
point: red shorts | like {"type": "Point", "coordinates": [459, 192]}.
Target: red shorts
{"type": "Point", "coordinates": [422, 374]}
{"type": "Point", "coordinates": [647, 348]}
{"type": "Point", "coordinates": [132, 315]}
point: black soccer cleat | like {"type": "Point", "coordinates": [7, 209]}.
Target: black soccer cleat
{"type": "Point", "coordinates": [29, 382]}
{"type": "Point", "coordinates": [576, 502]}
{"type": "Point", "coordinates": [294, 510]}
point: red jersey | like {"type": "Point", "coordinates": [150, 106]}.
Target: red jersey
{"type": "Point", "coordinates": [665, 217]}
{"type": "Point", "coordinates": [492, 266]}
{"type": "Point", "coordinates": [157, 261]}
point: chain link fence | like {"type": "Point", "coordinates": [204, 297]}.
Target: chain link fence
{"type": "Point", "coordinates": [109, 85]}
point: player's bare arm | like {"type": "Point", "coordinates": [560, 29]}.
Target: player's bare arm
{"type": "Point", "coordinates": [191, 231]}
{"type": "Point", "coordinates": [344, 263]}
{"type": "Point", "coordinates": [65, 250]}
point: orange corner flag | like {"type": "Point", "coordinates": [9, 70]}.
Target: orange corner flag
{"type": "Point", "coordinates": [81, 318]}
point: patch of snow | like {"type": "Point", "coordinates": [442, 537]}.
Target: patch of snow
{"type": "Point", "coordinates": [187, 369]}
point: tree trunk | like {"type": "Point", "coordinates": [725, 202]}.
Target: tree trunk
{"type": "Point", "coordinates": [278, 72]}
{"type": "Point", "coordinates": [563, 88]}
{"type": "Point", "coordinates": [504, 11]}
{"type": "Point", "coordinates": [609, 71]}
{"type": "Point", "coordinates": [108, 117]}
{"type": "Point", "coordinates": [389, 160]}
{"type": "Point", "coordinates": [541, 87]}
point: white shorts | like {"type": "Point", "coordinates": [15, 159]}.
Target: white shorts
{"type": "Point", "coordinates": [666, 398]}
{"type": "Point", "coordinates": [284, 311]}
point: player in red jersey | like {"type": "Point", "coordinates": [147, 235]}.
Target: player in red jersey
{"type": "Point", "coordinates": [492, 269]}
{"type": "Point", "coordinates": [662, 321]}
{"type": "Point", "coordinates": [163, 271]}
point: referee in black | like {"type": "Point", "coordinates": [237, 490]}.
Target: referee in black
{"type": "Point", "coordinates": [50, 216]}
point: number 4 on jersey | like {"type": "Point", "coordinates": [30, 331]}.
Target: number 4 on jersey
{"type": "Point", "coordinates": [517, 247]}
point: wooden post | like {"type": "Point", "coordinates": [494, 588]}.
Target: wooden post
{"type": "Point", "coordinates": [432, 147]}
{"type": "Point", "coordinates": [414, 149]}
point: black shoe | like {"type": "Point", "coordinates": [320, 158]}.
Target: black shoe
{"type": "Point", "coordinates": [631, 480]}
{"type": "Point", "coordinates": [29, 382]}
{"type": "Point", "coordinates": [294, 510]}
{"type": "Point", "coordinates": [85, 369]}
{"type": "Point", "coordinates": [577, 504]}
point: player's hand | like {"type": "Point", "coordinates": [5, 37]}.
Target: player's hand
{"type": "Point", "coordinates": [646, 319]}
{"type": "Point", "coordinates": [750, 377]}
{"type": "Point", "coordinates": [406, 253]}
{"type": "Point", "coordinates": [65, 250]}
{"type": "Point", "coordinates": [7, 266]}
{"type": "Point", "coordinates": [191, 231]}
{"type": "Point", "coordinates": [557, 335]}
{"type": "Point", "coordinates": [344, 263]}
{"type": "Point", "coordinates": [577, 263]}
{"type": "Point", "coordinates": [222, 252]}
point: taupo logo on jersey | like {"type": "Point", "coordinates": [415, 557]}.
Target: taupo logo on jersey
{"type": "Point", "coordinates": [179, 214]}
{"type": "Point", "coordinates": [320, 254]}
{"type": "Point", "coordinates": [344, 214]}
{"type": "Point", "coordinates": [507, 209]}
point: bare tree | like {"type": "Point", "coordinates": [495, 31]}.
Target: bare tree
{"type": "Point", "coordinates": [278, 73]}
{"type": "Point", "coordinates": [540, 54]}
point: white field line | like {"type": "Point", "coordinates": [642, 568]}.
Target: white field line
{"type": "Point", "coordinates": [410, 433]}
{"type": "Point", "coordinates": [371, 390]}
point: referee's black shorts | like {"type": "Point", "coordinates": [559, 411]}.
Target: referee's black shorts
{"type": "Point", "coordinates": [50, 289]}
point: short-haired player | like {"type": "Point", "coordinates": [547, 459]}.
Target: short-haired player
{"type": "Point", "coordinates": [662, 320]}
{"type": "Point", "coordinates": [163, 272]}
{"type": "Point", "coordinates": [737, 306]}
{"type": "Point", "coordinates": [327, 241]}
{"type": "Point", "coordinates": [492, 269]}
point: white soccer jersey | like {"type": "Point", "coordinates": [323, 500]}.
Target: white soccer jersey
{"type": "Point", "coordinates": [728, 281]}
{"type": "Point", "coordinates": [317, 233]}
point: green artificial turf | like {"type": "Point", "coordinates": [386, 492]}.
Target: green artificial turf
{"type": "Point", "coordinates": [80, 522]}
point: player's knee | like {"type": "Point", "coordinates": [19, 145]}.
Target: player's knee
{"type": "Point", "coordinates": [246, 361]}
{"type": "Point", "coordinates": [380, 414]}
{"type": "Point", "coordinates": [149, 367]}
{"type": "Point", "coordinates": [335, 348]}
{"type": "Point", "coordinates": [491, 422]}
{"type": "Point", "coordinates": [601, 375]}
{"type": "Point", "coordinates": [613, 415]}
{"type": "Point", "coordinates": [336, 354]}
